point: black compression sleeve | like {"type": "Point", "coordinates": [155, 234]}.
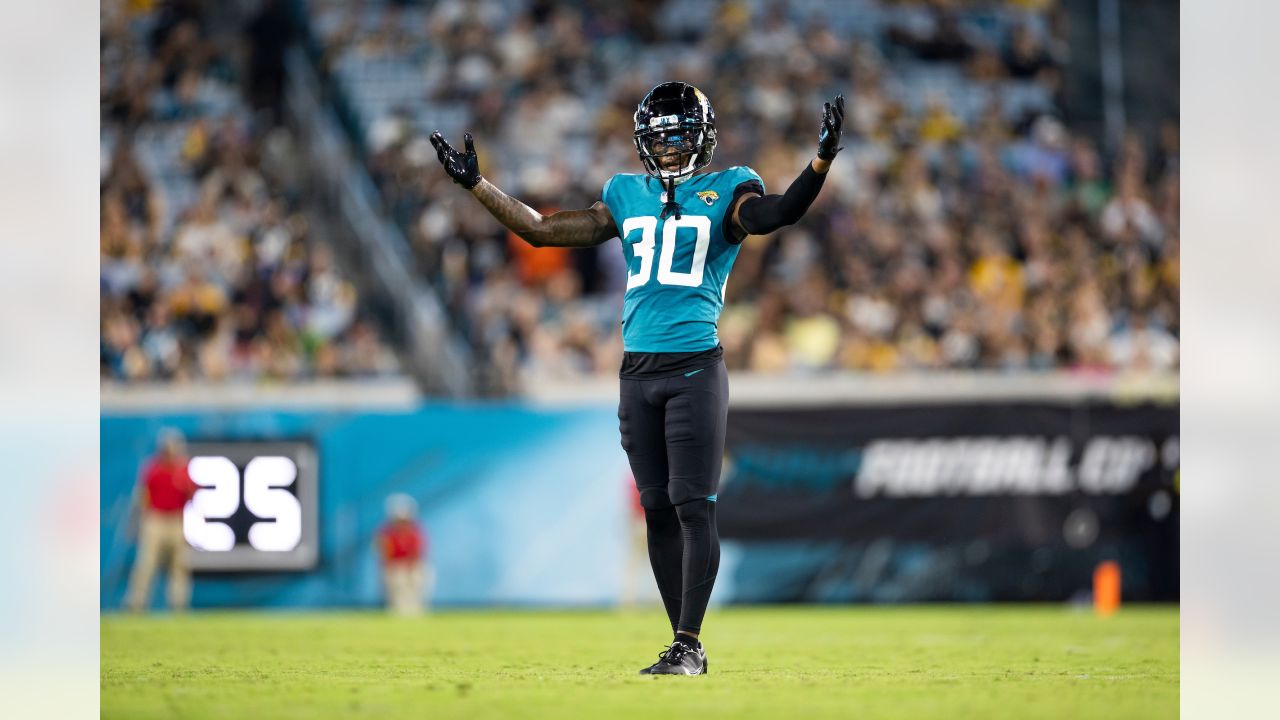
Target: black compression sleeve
{"type": "Point", "coordinates": [732, 234]}
{"type": "Point", "coordinates": [763, 215]}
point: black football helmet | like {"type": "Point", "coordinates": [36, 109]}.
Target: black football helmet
{"type": "Point", "coordinates": [675, 118]}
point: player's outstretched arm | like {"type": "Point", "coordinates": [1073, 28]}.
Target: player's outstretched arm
{"type": "Point", "coordinates": [567, 228]}
{"type": "Point", "coordinates": [757, 214]}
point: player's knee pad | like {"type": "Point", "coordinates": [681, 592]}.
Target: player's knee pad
{"type": "Point", "coordinates": [654, 498]}
{"type": "Point", "coordinates": [695, 512]}
{"type": "Point", "coordinates": [681, 491]}
{"type": "Point", "coordinates": [663, 526]}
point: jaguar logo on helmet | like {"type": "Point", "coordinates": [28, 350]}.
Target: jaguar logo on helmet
{"type": "Point", "coordinates": [675, 119]}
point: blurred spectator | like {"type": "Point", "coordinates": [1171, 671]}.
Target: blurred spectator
{"type": "Point", "coordinates": [1128, 215]}
{"type": "Point", "coordinates": [1025, 56]}
{"type": "Point", "coordinates": [164, 490]}
{"type": "Point", "coordinates": [1140, 346]}
{"type": "Point", "coordinates": [944, 40]}
{"type": "Point", "coordinates": [403, 548]}
{"type": "Point", "coordinates": [270, 32]}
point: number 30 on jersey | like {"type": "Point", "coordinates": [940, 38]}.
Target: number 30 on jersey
{"type": "Point", "coordinates": [648, 227]}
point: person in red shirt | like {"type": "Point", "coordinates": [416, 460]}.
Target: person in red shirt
{"type": "Point", "coordinates": [165, 489]}
{"type": "Point", "coordinates": [403, 546]}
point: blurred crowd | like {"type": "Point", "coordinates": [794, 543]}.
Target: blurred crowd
{"type": "Point", "coordinates": [209, 270]}
{"type": "Point", "coordinates": [949, 235]}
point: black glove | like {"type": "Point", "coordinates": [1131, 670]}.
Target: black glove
{"type": "Point", "coordinates": [829, 135]}
{"type": "Point", "coordinates": [462, 167]}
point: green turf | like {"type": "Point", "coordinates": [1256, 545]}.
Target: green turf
{"type": "Point", "coordinates": [810, 662]}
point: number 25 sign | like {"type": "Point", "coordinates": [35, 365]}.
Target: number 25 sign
{"type": "Point", "coordinates": [255, 509]}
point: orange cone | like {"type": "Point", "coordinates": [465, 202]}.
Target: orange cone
{"type": "Point", "coordinates": [1106, 588]}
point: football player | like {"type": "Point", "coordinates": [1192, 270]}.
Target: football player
{"type": "Point", "coordinates": [681, 227]}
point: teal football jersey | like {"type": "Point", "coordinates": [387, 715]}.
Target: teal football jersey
{"type": "Point", "coordinates": [676, 269]}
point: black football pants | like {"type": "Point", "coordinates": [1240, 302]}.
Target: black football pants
{"type": "Point", "coordinates": [673, 430]}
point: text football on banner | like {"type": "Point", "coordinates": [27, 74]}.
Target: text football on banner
{"type": "Point", "coordinates": [974, 501]}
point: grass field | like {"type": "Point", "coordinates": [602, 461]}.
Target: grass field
{"type": "Point", "coordinates": [806, 662]}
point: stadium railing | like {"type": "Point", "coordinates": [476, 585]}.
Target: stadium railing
{"type": "Point", "coordinates": [435, 358]}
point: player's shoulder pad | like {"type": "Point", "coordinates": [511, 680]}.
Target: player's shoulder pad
{"type": "Point", "coordinates": [617, 182]}
{"type": "Point", "coordinates": [604, 192]}
{"type": "Point", "coordinates": [739, 174]}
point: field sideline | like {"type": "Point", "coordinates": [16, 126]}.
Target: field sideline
{"type": "Point", "coordinates": [813, 662]}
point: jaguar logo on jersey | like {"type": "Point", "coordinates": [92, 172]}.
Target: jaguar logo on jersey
{"type": "Point", "coordinates": [709, 196]}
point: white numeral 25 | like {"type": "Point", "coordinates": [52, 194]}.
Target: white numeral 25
{"type": "Point", "coordinates": [264, 495]}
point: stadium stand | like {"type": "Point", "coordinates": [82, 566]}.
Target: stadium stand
{"type": "Point", "coordinates": [208, 268]}
{"type": "Point", "coordinates": [966, 227]}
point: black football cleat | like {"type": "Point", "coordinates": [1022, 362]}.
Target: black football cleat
{"type": "Point", "coordinates": [680, 659]}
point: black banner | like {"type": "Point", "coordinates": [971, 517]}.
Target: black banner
{"type": "Point", "coordinates": [1012, 501]}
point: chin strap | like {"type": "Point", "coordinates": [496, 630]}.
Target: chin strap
{"type": "Point", "coordinates": [671, 205]}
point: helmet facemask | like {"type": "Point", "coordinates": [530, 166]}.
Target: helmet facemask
{"type": "Point", "coordinates": [690, 144]}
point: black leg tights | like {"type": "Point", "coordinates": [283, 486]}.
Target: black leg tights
{"type": "Point", "coordinates": [701, 560]}
{"type": "Point", "coordinates": [666, 554]}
